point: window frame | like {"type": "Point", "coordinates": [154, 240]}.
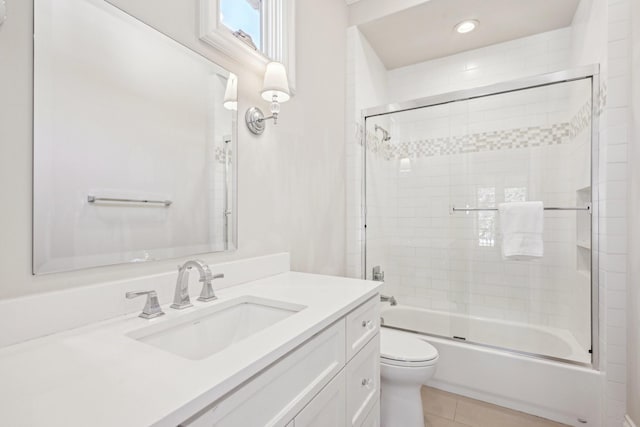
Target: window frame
{"type": "Point", "coordinates": [278, 36]}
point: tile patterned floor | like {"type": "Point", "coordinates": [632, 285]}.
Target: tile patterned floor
{"type": "Point", "coordinates": [442, 409]}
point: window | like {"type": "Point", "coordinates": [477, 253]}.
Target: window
{"type": "Point", "coordinates": [252, 32]}
{"type": "Point", "coordinates": [486, 219]}
{"type": "Point", "coordinates": [244, 18]}
{"type": "Point", "coordinates": [515, 194]}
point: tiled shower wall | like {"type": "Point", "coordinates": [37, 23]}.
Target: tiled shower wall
{"type": "Point", "coordinates": [601, 34]}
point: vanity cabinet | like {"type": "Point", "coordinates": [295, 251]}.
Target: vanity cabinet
{"type": "Point", "coordinates": [327, 408]}
{"type": "Point", "coordinates": [333, 379]}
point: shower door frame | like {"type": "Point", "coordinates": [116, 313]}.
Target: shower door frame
{"type": "Point", "coordinates": [586, 72]}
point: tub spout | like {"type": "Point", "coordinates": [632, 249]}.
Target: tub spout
{"type": "Point", "coordinates": [390, 299]}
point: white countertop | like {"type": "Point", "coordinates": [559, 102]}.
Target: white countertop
{"type": "Point", "coordinates": [98, 376]}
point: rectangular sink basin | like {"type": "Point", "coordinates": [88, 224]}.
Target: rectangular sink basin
{"type": "Point", "coordinates": [207, 331]}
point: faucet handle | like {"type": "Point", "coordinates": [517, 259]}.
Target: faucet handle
{"type": "Point", "coordinates": [152, 307]}
{"type": "Point", "coordinates": [207, 293]}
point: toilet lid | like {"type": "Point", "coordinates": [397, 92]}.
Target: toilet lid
{"type": "Point", "coordinates": [405, 348]}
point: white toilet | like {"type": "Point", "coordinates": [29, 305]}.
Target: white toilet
{"type": "Point", "coordinates": [406, 363]}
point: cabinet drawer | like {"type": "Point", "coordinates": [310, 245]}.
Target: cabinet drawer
{"type": "Point", "coordinates": [327, 408]}
{"type": "Point", "coordinates": [363, 382]}
{"type": "Point", "coordinates": [362, 324]}
{"type": "Point", "coordinates": [275, 395]}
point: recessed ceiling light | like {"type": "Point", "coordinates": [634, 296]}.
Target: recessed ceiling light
{"type": "Point", "coordinates": [466, 26]}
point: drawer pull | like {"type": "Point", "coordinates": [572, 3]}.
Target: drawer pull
{"type": "Point", "coordinates": [367, 382]}
{"type": "Point", "coordinates": [367, 324]}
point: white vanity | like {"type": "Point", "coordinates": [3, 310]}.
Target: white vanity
{"type": "Point", "coordinates": [332, 379]}
{"type": "Point", "coordinates": [316, 363]}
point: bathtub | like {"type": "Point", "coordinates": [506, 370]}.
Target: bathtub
{"type": "Point", "coordinates": [527, 339]}
{"type": "Point", "coordinates": [501, 370]}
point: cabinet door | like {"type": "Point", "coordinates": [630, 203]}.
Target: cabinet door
{"type": "Point", "coordinates": [363, 383]}
{"type": "Point", "coordinates": [328, 408]}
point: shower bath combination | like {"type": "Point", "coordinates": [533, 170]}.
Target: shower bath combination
{"type": "Point", "coordinates": [444, 263]}
{"type": "Point", "coordinates": [434, 231]}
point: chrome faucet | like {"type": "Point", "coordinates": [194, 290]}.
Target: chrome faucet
{"type": "Point", "coordinates": [181, 298]}
{"type": "Point", "coordinates": [378, 274]}
{"type": "Point", "coordinates": [391, 299]}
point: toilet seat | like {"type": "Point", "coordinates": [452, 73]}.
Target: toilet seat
{"type": "Point", "coordinates": [398, 349]}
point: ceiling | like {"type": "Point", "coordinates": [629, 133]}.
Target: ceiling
{"type": "Point", "coordinates": [424, 32]}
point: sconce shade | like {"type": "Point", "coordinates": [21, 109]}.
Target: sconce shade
{"type": "Point", "coordinates": [231, 93]}
{"type": "Point", "coordinates": [275, 83]}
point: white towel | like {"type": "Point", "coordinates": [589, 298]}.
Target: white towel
{"type": "Point", "coordinates": [521, 224]}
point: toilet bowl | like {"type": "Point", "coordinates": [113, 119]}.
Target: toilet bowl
{"type": "Point", "coordinates": [406, 363]}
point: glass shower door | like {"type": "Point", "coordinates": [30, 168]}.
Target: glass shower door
{"type": "Point", "coordinates": [434, 178]}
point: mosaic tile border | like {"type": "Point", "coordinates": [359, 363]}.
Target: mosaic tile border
{"type": "Point", "coordinates": [220, 156]}
{"type": "Point", "coordinates": [533, 136]}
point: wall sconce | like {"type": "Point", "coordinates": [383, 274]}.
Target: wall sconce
{"type": "Point", "coordinates": [231, 93]}
{"type": "Point", "coordinates": [275, 88]}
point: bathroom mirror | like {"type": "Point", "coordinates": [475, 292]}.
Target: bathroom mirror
{"type": "Point", "coordinates": [134, 150]}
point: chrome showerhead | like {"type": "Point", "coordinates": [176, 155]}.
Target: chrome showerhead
{"type": "Point", "coordinates": [385, 134]}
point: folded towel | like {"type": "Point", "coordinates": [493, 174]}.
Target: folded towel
{"type": "Point", "coordinates": [521, 224]}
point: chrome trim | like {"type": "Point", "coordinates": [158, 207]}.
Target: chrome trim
{"type": "Point", "coordinates": [151, 307]}
{"type": "Point", "coordinates": [363, 188]}
{"type": "Point", "coordinates": [377, 274]}
{"type": "Point", "coordinates": [94, 199]}
{"type": "Point", "coordinates": [255, 120]}
{"type": "Point", "coordinates": [595, 218]}
{"type": "Point", "coordinates": [493, 347]}
{"type": "Point", "coordinates": [390, 299]}
{"type": "Point", "coordinates": [494, 89]}
{"type": "Point", "coordinates": [181, 298]}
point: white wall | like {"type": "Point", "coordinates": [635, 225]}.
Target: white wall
{"type": "Point", "coordinates": [366, 77]}
{"type": "Point", "coordinates": [528, 56]}
{"type": "Point", "coordinates": [291, 179]}
{"type": "Point", "coordinates": [633, 297]}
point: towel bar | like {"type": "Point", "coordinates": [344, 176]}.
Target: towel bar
{"type": "Point", "coordinates": [587, 208]}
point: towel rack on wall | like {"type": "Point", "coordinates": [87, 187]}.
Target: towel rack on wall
{"type": "Point", "coordinates": [587, 208]}
{"type": "Point", "coordinates": [93, 199]}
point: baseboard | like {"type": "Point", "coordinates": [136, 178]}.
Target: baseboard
{"type": "Point", "coordinates": [628, 422]}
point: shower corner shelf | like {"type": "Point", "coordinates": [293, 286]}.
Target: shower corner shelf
{"type": "Point", "coordinates": [584, 245]}
{"type": "Point", "coordinates": [585, 274]}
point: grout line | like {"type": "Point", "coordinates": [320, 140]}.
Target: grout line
{"type": "Point", "coordinates": [455, 410]}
